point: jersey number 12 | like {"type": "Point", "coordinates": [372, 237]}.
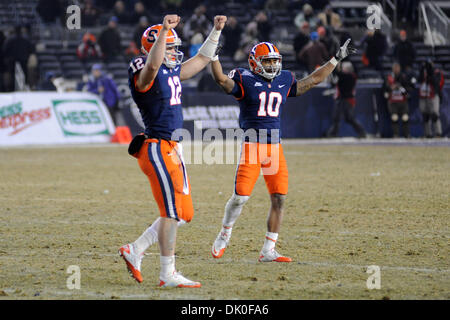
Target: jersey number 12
{"type": "Point", "coordinates": [175, 87]}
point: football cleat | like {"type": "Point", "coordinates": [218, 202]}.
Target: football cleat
{"type": "Point", "coordinates": [272, 255]}
{"type": "Point", "coordinates": [133, 261]}
{"type": "Point", "coordinates": [176, 280]}
{"type": "Point", "coordinates": [220, 244]}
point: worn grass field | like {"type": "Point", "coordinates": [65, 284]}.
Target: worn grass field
{"type": "Point", "coordinates": [348, 207]}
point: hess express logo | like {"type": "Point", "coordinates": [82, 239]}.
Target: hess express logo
{"type": "Point", "coordinates": [80, 117]}
{"type": "Point", "coordinates": [13, 116]}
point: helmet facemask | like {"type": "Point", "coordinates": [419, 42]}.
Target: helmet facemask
{"type": "Point", "coordinates": [172, 59]}
{"type": "Point", "coordinates": [268, 72]}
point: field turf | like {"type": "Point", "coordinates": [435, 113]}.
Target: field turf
{"type": "Point", "coordinates": [348, 207]}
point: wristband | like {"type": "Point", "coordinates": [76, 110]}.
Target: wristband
{"type": "Point", "coordinates": [334, 62]}
{"type": "Point", "coordinates": [208, 48]}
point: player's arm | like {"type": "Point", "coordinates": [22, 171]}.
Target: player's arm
{"type": "Point", "coordinates": [324, 71]}
{"type": "Point", "coordinates": [206, 52]}
{"type": "Point", "coordinates": [221, 79]}
{"type": "Point", "coordinates": [156, 54]}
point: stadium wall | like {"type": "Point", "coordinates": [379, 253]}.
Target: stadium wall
{"type": "Point", "coordinates": [309, 116]}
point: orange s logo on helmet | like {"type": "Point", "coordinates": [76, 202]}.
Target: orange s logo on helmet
{"type": "Point", "coordinates": [261, 51]}
{"type": "Point", "coordinates": [172, 41]}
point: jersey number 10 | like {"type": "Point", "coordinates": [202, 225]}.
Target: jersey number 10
{"type": "Point", "coordinates": [271, 110]}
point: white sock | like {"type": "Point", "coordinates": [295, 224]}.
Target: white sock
{"type": "Point", "coordinates": [227, 230]}
{"type": "Point", "coordinates": [269, 242]}
{"type": "Point", "coordinates": [149, 237]}
{"type": "Point", "coordinates": [167, 266]}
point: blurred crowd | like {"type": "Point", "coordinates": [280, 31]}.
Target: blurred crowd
{"type": "Point", "coordinates": [320, 32]}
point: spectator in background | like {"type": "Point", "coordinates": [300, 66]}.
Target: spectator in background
{"type": "Point", "coordinates": [2, 64]}
{"type": "Point", "coordinates": [49, 10]}
{"type": "Point", "coordinates": [139, 11]}
{"type": "Point", "coordinates": [248, 39]}
{"type": "Point", "coordinates": [89, 48]}
{"type": "Point", "coordinates": [195, 44]}
{"type": "Point", "coordinates": [197, 23]}
{"type": "Point", "coordinates": [431, 82]}
{"type": "Point", "coordinates": [32, 62]}
{"type": "Point", "coordinates": [396, 89]}
{"type": "Point", "coordinates": [139, 30]}
{"type": "Point", "coordinates": [231, 34]}
{"type": "Point", "coordinates": [375, 47]}
{"type": "Point", "coordinates": [104, 86]}
{"type": "Point", "coordinates": [307, 15]}
{"type": "Point", "coordinates": [47, 84]}
{"type": "Point", "coordinates": [330, 42]}
{"type": "Point", "coordinates": [89, 14]}
{"type": "Point", "coordinates": [345, 100]}
{"type": "Point", "coordinates": [263, 25]}
{"type": "Point", "coordinates": [314, 54]}
{"type": "Point", "coordinates": [171, 5]}
{"type": "Point", "coordinates": [330, 18]}
{"type": "Point", "coordinates": [404, 52]}
{"type": "Point", "coordinates": [121, 13]}
{"type": "Point", "coordinates": [16, 49]}
{"type": "Point", "coordinates": [276, 5]}
{"type": "Point", "coordinates": [300, 41]}
{"type": "Point", "coordinates": [109, 40]}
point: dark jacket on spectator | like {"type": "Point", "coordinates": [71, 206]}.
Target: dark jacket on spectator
{"type": "Point", "coordinates": [232, 36]}
{"type": "Point", "coordinates": [109, 42]}
{"type": "Point", "coordinates": [375, 48]}
{"type": "Point", "coordinates": [314, 54]}
{"type": "Point", "coordinates": [404, 53]}
{"type": "Point", "coordinates": [17, 48]}
{"type": "Point", "coordinates": [300, 41]}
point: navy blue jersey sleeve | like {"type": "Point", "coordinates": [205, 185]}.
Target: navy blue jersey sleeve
{"type": "Point", "coordinates": [293, 90]}
{"type": "Point", "coordinates": [136, 65]}
{"type": "Point", "coordinates": [238, 89]}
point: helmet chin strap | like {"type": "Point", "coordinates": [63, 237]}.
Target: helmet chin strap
{"type": "Point", "coordinates": [269, 75]}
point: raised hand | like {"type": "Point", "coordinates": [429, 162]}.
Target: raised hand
{"type": "Point", "coordinates": [219, 22]}
{"type": "Point", "coordinates": [345, 50]}
{"type": "Point", "coordinates": [170, 21]}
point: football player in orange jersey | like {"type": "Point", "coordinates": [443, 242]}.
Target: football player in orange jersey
{"type": "Point", "coordinates": [155, 84]}
{"type": "Point", "coordinates": [261, 92]}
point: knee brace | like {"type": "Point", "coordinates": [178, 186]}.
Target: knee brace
{"type": "Point", "coordinates": [237, 200]}
{"type": "Point", "coordinates": [394, 117]}
{"type": "Point", "coordinates": [233, 209]}
{"type": "Point", "coordinates": [405, 117]}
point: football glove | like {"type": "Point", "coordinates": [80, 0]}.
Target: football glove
{"type": "Point", "coordinates": [345, 50]}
